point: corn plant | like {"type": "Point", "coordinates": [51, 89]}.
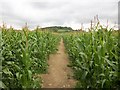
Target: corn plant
{"type": "Point", "coordinates": [1, 58]}
{"type": "Point", "coordinates": [25, 54]}
{"type": "Point", "coordinates": [94, 57]}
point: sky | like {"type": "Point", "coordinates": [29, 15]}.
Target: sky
{"type": "Point", "coordinates": [70, 13]}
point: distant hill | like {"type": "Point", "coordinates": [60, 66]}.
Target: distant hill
{"type": "Point", "coordinates": [58, 28]}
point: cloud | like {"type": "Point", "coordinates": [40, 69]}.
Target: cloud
{"type": "Point", "coordinates": [57, 12]}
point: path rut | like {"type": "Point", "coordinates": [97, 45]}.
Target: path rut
{"type": "Point", "coordinates": [59, 74]}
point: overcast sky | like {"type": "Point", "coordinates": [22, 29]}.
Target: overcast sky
{"type": "Point", "coordinates": [69, 13]}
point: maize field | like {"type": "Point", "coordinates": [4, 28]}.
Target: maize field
{"type": "Point", "coordinates": [94, 57]}
{"type": "Point", "coordinates": [24, 55]}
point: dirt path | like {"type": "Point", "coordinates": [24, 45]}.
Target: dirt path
{"type": "Point", "coordinates": [59, 75]}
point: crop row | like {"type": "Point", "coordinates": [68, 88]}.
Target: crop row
{"type": "Point", "coordinates": [94, 57]}
{"type": "Point", "coordinates": [24, 55]}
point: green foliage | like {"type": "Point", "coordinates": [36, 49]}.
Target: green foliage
{"type": "Point", "coordinates": [94, 57]}
{"type": "Point", "coordinates": [58, 29]}
{"type": "Point", "coordinates": [25, 55]}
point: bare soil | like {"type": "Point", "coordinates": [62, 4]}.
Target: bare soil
{"type": "Point", "coordinates": [59, 74]}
